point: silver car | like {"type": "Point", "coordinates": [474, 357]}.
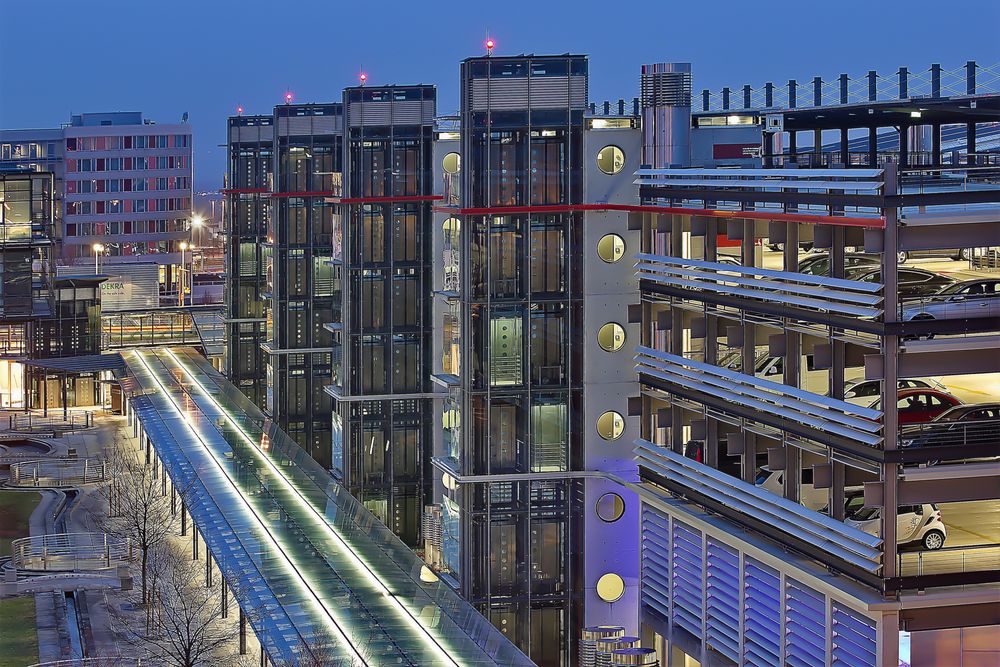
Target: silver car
{"type": "Point", "coordinates": [965, 299]}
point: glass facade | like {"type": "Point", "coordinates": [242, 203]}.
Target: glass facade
{"type": "Point", "coordinates": [304, 288]}
{"type": "Point", "coordinates": [521, 310]}
{"type": "Point", "coordinates": [385, 331]}
{"type": "Point", "coordinates": [251, 168]}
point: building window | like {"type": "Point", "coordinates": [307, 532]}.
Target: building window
{"type": "Point", "coordinates": [451, 163]}
{"type": "Point", "coordinates": [610, 425]}
{"type": "Point", "coordinates": [610, 507]}
{"type": "Point", "coordinates": [611, 160]}
{"type": "Point", "coordinates": [611, 248]}
{"type": "Point", "coordinates": [611, 337]}
{"type": "Point", "coordinates": [610, 587]}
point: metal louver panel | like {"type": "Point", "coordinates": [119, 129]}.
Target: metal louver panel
{"type": "Point", "coordinates": [805, 626]}
{"type": "Point", "coordinates": [723, 600]}
{"type": "Point", "coordinates": [853, 639]}
{"type": "Point", "coordinates": [369, 113]}
{"type": "Point", "coordinates": [665, 88]}
{"type": "Point", "coordinates": [762, 623]}
{"type": "Point", "coordinates": [686, 578]}
{"type": "Point", "coordinates": [845, 542]}
{"type": "Point", "coordinates": [549, 92]}
{"type": "Point", "coordinates": [655, 561]}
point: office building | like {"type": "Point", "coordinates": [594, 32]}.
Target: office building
{"type": "Point", "coordinates": [122, 183]}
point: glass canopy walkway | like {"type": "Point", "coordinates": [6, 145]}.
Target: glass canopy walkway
{"type": "Point", "coordinates": [321, 580]}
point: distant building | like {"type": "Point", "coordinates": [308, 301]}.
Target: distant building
{"type": "Point", "coordinates": [120, 181]}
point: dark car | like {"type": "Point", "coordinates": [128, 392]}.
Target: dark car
{"type": "Point", "coordinates": [962, 425]}
{"type": "Point", "coordinates": [950, 253]}
{"type": "Point", "coordinates": [819, 263]}
{"type": "Point", "coordinates": [912, 282]}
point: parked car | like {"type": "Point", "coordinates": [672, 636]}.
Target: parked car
{"type": "Point", "coordinates": [863, 391]}
{"type": "Point", "coordinates": [975, 424]}
{"type": "Point", "coordinates": [919, 406]}
{"type": "Point", "coordinates": [818, 264]}
{"type": "Point", "coordinates": [809, 495]}
{"type": "Point", "coordinates": [912, 282]}
{"type": "Point", "coordinates": [914, 523]}
{"type": "Point", "coordinates": [979, 297]}
{"type": "Point", "coordinates": [950, 253]}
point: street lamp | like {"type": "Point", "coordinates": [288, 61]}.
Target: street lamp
{"type": "Point", "coordinates": [98, 249]}
{"type": "Point", "coordinates": [180, 274]}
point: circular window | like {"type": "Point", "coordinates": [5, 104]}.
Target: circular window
{"type": "Point", "coordinates": [610, 160]}
{"type": "Point", "coordinates": [610, 587]}
{"type": "Point", "coordinates": [611, 337]}
{"type": "Point", "coordinates": [451, 163]}
{"type": "Point", "coordinates": [610, 507]}
{"type": "Point", "coordinates": [610, 425]}
{"type": "Point", "coordinates": [611, 248]}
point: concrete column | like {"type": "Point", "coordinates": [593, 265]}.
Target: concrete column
{"type": "Point", "coordinates": [173, 500]}
{"type": "Point", "coordinates": [225, 598]}
{"type": "Point", "coordinates": [749, 354]}
{"type": "Point", "coordinates": [936, 144]}
{"type": "Point", "coordinates": [183, 519]}
{"type": "Point", "coordinates": [194, 543]}
{"type": "Point", "coordinates": [904, 145]}
{"type": "Point", "coordinates": [890, 352]}
{"type": "Point", "coordinates": [845, 154]}
{"type": "Point", "coordinates": [676, 333]}
{"type": "Point", "coordinates": [970, 143]}
{"type": "Point", "coordinates": [208, 567]}
{"type": "Point", "coordinates": [872, 146]}
{"type": "Point", "coordinates": [792, 146]}
{"type": "Point", "coordinates": [837, 368]}
{"type": "Point", "coordinates": [793, 461]}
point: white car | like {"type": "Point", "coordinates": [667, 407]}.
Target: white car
{"type": "Point", "coordinates": [965, 299]}
{"type": "Point", "coordinates": [914, 523]}
{"type": "Point", "coordinates": [809, 495]}
{"type": "Point", "coordinates": [863, 392]}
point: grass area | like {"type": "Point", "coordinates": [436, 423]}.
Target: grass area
{"type": "Point", "coordinates": [18, 639]}
{"type": "Point", "coordinates": [15, 510]}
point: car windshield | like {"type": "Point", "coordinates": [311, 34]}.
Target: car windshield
{"type": "Point", "coordinates": [866, 514]}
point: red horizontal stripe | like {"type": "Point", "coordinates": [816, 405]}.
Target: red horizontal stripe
{"type": "Point", "coordinates": [388, 200]}
{"type": "Point", "coordinates": [878, 222]}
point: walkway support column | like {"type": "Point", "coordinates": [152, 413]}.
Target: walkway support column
{"type": "Point", "coordinates": [243, 632]}
{"type": "Point", "coordinates": [184, 523]}
{"type": "Point", "coordinates": [225, 598]}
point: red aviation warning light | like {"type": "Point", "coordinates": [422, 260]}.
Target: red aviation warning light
{"type": "Point", "coordinates": [288, 98]}
{"type": "Point", "coordinates": [363, 78]}
{"type": "Point", "coordinates": [489, 45]}
{"type": "Point", "coordinates": [239, 111]}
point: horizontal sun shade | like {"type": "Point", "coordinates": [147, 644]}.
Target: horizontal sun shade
{"type": "Point", "coordinates": [833, 295]}
{"type": "Point", "coordinates": [844, 542]}
{"type": "Point", "coordinates": [822, 413]}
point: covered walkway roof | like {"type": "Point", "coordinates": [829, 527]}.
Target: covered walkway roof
{"type": "Point", "coordinates": [320, 578]}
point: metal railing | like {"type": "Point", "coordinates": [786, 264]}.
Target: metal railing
{"type": "Point", "coordinates": [949, 560]}
{"type": "Point", "coordinates": [32, 423]}
{"type": "Point", "coordinates": [57, 473]}
{"type": "Point", "coordinates": [70, 552]}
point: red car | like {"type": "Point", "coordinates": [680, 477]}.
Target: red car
{"type": "Point", "coordinates": [919, 406]}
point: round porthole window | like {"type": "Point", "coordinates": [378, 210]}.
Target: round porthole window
{"type": "Point", "coordinates": [611, 248]}
{"type": "Point", "coordinates": [610, 160]}
{"type": "Point", "coordinates": [452, 163]}
{"type": "Point", "coordinates": [610, 507]}
{"type": "Point", "coordinates": [610, 425]}
{"type": "Point", "coordinates": [611, 337]}
{"type": "Point", "coordinates": [610, 587]}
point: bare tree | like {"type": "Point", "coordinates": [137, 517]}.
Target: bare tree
{"type": "Point", "coordinates": [141, 509]}
{"type": "Point", "coordinates": [187, 628]}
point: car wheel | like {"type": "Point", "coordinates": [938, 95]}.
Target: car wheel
{"type": "Point", "coordinates": [920, 318]}
{"type": "Point", "coordinates": [901, 257]}
{"type": "Point", "coordinates": [933, 540]}
{"type": "Point", "coordinates": [966, 254]}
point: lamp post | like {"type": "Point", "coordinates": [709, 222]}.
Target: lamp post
{"type": "Point", "coordinates": [180, 274]}
{"type": "Point", "coordinates": [98, 249]}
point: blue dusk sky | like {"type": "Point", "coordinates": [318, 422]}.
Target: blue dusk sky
{"type": "Point", "coordinates": [207, 57]}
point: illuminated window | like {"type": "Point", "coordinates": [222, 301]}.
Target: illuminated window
{"type": "Point", "coordinates": [611, 248]}
{"type": "Point", "coordinates": [611, 337]}
{"type": "Point", "coordinates": [610, 160]}
{"type": "Point", "coordinates": [610, 425]}
{"type": "Point", "coordinates": [610, 507]}
{"type": "Point", "coordinates": [452, 163]}
{"type": "Point", "coordinates": [610, 587]}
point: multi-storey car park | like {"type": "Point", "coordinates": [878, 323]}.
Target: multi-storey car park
{"type": "Point", "coordinates": [808, 495]}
